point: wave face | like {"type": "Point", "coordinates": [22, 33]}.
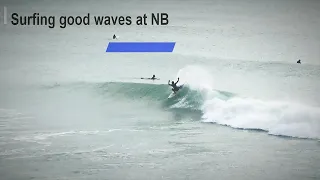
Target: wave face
{"type": "Point", "coordinates": [187, 98]}
{"type": "Point", "coordinates": [220, 107]}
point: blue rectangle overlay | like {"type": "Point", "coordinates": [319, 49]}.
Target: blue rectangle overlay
{"type": "Point", "coordinates": [140, 46]}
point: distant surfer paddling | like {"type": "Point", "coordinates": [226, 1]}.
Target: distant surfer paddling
{"type": "Point", "coordinates": [299, 61]}
{"type": "Point", "coordinates": [174, 86]}
{"type": "Point", "coordinates": [153, 78]}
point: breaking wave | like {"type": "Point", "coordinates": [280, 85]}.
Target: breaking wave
{"type": "Point", "coordinates": [220, 107]}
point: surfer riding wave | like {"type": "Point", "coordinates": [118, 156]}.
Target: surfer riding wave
{"type": "Point", "coordinates": [174, 86]}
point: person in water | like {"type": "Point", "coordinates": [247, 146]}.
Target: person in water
{"type": "Point", "coordinates": [299, 61]}
{"type": "Point", "coordinates": [153, 78]}
{"type": "Point", "coordinates": [174, 86]}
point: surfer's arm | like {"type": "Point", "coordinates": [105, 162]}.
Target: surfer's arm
{"type": "Point", "coordinates": [177, 82]}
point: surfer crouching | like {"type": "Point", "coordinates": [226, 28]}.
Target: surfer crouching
{"type": "Point", "coordinates": [174, 85]}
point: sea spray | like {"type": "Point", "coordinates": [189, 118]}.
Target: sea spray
{"type": "Point", "coordinates": [275, 117]}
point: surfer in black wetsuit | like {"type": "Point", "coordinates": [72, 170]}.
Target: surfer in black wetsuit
{"type": "Point", "coordinates": [114, 36]}
{"type": "Point", "coordinates": [174, 86]}
{"type": "Point", "coordinates": [299, 61]}
{"type": "Point", "coordinates": [153, 78]}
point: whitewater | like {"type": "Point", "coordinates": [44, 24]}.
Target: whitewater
{"type": "Point", "coordinates": [247, 111]}
{"type": "Point", "coordinates": [275, 117]}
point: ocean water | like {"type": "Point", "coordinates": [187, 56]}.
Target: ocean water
{"type": "Point", "coordinates": [68, 110]}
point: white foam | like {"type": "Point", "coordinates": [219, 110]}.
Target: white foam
{"type": "Point", "coordinates": [278, 118]}
{"type": "Point", "coordinates": [275, 117]}
{"type": "Point", "coordinates": [196, 78]}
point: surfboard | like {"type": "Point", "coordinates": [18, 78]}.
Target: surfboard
{"type": "Point", "coordinates": [172, 95]}
{"type": "Point", "coordinates": [150, 78]}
